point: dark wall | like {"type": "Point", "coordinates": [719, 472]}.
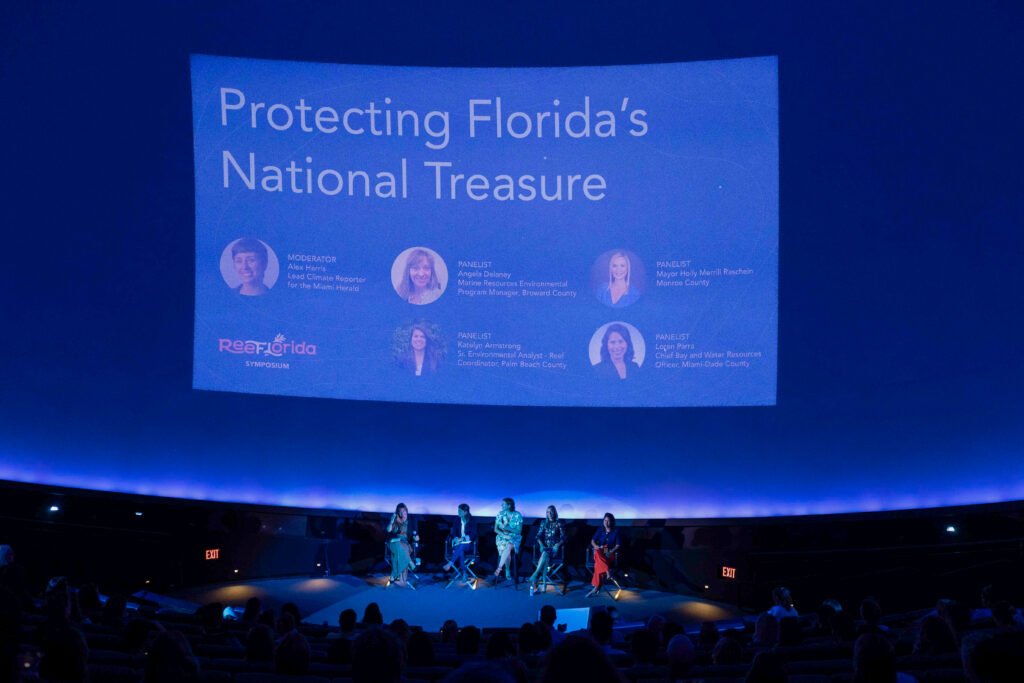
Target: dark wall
{"type": "Point", "coordinates": [906, 560]}
{"type": "Point", "coordinates": [900, 284]}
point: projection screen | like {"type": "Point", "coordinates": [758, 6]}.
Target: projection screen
{"type": "Point", "coordinates": [595, 236]}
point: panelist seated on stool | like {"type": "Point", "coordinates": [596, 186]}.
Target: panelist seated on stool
{"type": "Point", "coordinates": [460, 551]}
{"type": "Point", "coordinates": [508, 530]}
{"type": "Point", "coordinates": [605, 546]}
{"type": "Point", "coordinates": [550, 556]}
{"type": "Point", "coordinates": [400, 546]}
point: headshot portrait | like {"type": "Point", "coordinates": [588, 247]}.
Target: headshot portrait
{"type": "Point", "coordinates": [419, 348]}
{"type": "Point", "coordinates": [617, 351]}
{"type": "Point", "coordinates": [618, 278]}
{"type": "Point", "coordinates": [419, 275]}
{"type": "Point", "coordinates": [249, 266]}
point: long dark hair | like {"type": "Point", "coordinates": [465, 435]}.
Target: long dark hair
{"type": "Point", "coordinates": [609, 516]}
{"type": "Point", "coordinates": [395, 519]}
{"type": "Point", "coordinates": [429, 351]}
{"type": "Point", "coordinates": [511, 504]}
{"type": "Point", "coordinates": [624, 333]}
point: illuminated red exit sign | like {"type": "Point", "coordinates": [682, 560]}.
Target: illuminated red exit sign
{"type": "Point", "coordinates": [213, 553]}
{"type": "Point", "coordinates": [728, 572]}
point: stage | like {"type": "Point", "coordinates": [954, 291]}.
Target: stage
{"type": "Point", "coordinates": [321, 599]}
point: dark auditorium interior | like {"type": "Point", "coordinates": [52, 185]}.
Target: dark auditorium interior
{"type": "Point", "coordinates": [867, 526]}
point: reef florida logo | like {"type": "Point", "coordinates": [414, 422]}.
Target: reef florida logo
{"type": "Point", "coordinates": [279, 347]}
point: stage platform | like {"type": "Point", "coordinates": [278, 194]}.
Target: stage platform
{"type": "Point", "coordinates": [321, 599]}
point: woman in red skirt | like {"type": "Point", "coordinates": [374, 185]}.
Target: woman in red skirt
{"type": "Point", "coordinates": [606, 546]}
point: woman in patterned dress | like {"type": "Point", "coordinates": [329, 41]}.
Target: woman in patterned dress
{"type": "Point", "coordinates": [550, 538]}
{"type": "Point", "coordinates": [508, 525]}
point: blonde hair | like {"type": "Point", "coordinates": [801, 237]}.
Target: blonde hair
{"type": "Point", "coordinates": [611, 278]}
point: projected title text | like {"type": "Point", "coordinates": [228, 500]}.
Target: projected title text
{"type": "Point", "coordinates": [485, 117]}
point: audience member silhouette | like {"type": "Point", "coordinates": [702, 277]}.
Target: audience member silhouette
{"type": "Point", "coordinates": [252, 611]}
{"type": "Point", "coordinates": [1003, 614]}
{"type": "Point", "coordinates": [292, 609]}
{"type": "Point", "coordinates": [480, 672]}
{"type": "Point", "coordinates": [681, 655]}
{"type": "Point", "coordinates": [285, 625]}
{"type": "Point", "coordinates": [449, 631]}
{"type": "Point", "coordinates": [844, 630]}
{"type": "Point", "coordinates": [114, 612]}
{"type": "Point", "coordinates": [766, 631]}
{"type": "Point", "coordinates": [728, 650]}
{"type": "Point", "coordinates": [670, 631]}
{"type": "Point", "coordinates": [212, 617]}
{"type": "Point", "coordinates": [544, 636]}
{"type": "Point", "coordinates": [578, 658]}
{"type": "Point", "coordinates": [708, 634]}
{"type": "Point", "coordinates": [957, 615]}
{"type": "Point", "coordinates": [347, 622]}
{"type": "Point", "coordinates": [548, 616]}
{"type": "Point", "coordinates": [790, 634]}
{"type": "Point", "coordinates": [267, 619]}
{"type": "Point", "coordinates": [874, 660]}
{"type": "Point", "coordinates": [259, 644]}
{"type": "Point", "coordinates": [400, 628]}
{"type": "Point", "coordinates": [783, 606]}
{"type": "Point", "coordinates": [871, 613]}
{"type": "Point", "coordinates": [601, 630]}
{"type": "Point", "coordinates": [823, 621]}
{"type": "Point", "coordinates": [372, 615]}
{"type": "Point", "coordinates": [89, 597]}
{"type": "Point", "coordinates": [11, 618]}
{"type": "Point", "coordinates": [468, 642]}
{"type": "Point", "coordinates": [529, 640]}
{"type": "Point", "coordinates": [935, 637]}
{"type": "Point", "coordinates": [340, 651]}
{"type": "Point", "coordinates": [499, 646]}
{"type": "Point", "coordinates": [377, 657]}
{"type": "Point", "coordinates": [292, 656]}
{"type": "Point", "coordinates": [767, 667]}
{"type": "Point", "coordinates": [65, 655]}
{"type": "Point", "coordinates": [419, 649]}
{"type": "Point", "coordinates": [12, 578]}
{"type": "Point", "coordinates": [993, 657]}
{"type": "Point", "coordinates": [138, 634]}
{"type": "Point", "coordinates": [170, 660]}
{"type": "Point", "coordinates": [644, 647]}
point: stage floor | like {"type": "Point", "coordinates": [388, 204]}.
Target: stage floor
{"type": "Point", "coordinates": [320, 600]}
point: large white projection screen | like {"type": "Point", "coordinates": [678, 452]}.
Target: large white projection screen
{"type": "Point", "coordinates": [597, 236]}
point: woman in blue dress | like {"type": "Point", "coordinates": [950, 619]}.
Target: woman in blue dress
{"type": "Point", "coordinates": [618, 292]}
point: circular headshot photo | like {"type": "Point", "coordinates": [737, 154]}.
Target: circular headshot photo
{"type": "Point", "coordinates": [419, 276]}
{"type": "Point", "coordinates": [617, 351]}
{"type": "Point", "coordinates": [419, 348]}
{"type": "Point", "coordinates": [618, 278]}
{"type": "Point", "coordinates": [249, 266]}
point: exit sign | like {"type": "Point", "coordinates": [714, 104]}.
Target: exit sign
{"type": "Point", "coordinates": [213, 553]}
{"type": "Point", "coordinates": [728, 572]}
